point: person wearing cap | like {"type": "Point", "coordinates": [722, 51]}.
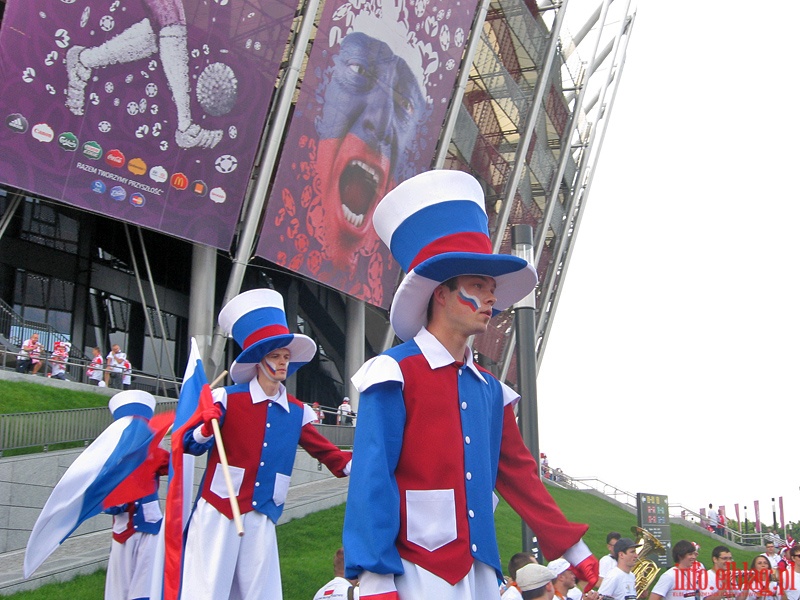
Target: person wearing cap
{"type": "Point", "coordinates": [684, 555]}
{"type": "Point", "coordinates": [565, 582]}
{"type": "Point", "coordinates": [318, 412]}
{"type": "Point", "coordinates": [58, 361]}
{"type": "Point", "coordinates": [536, 581]}
{"type": "Point", "coordinates": [344, 415]}
{"type": "Point", "coordinates": [136, 524]}
{"type": "Point", "coordinates": [609, 561]}
{"type": "Point", "coordinates": [437, 433]}
{"type": "Point", "coordinates": [620, 583]}
{"type": "Point", "coordinates": [261, 426]}
{"type": "Point", "coordinates": [515, 563]}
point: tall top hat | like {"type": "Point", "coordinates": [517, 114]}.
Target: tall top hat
{"type": "Point", "coordinates": [257, 321]}
{"type": "Point", "coordinates": [436, 226]}
{"type": "Point", "coordinates": [132, 403]}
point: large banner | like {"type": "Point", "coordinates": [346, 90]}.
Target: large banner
{"type": "Point", "coordinates": [374, 98]}
{"type": "Point", "coordinates": [147, 111]}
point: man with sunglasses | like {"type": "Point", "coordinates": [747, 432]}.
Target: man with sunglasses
{"type": "Point", "coordinates": [792, 590]}
{"type": "Point", "coordinates": [722, 578]}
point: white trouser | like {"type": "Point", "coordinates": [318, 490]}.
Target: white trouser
{"type": "Point", "coordinates": [419, 584]}
{"type": "Point", "coordinates": [219, 564]}
{"type": "Point", "coordinates": [130, 567]}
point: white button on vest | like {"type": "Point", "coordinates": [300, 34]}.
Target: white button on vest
{"type": "Point", "coordinates": [464, 405]}
{"type": "Point", "coordinates": [466, 439]}
{"type": "Point", "coordinates": [469, 475]}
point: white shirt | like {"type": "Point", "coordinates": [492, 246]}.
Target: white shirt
{"type": "Point", "coordinates": [606, 564]}
{"type": "Point", "coordinates": [665, 586]}
{"type": "Point", "coordinates": [619, 585]}
{"type": "Point", "coordinates": [773, 560]}
{"type": "Point", "coordinates": [335, 589]}
{"type": "Point", "coordinates": [511, 593]}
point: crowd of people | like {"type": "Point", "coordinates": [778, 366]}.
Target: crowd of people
{"type": "Point", "coordinates": [768, 576]}
{"type": "Point", "coordinates": [114, 371]}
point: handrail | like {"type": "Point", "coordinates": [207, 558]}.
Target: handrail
{"type": "Point", "coordinates": [43, 429]}
{"type": "Point", "coordinates": [76, 372]}
{"type": "Point", "coordinates": [31, 430]}
{"type": "Point", "coordinates": [677, 511]}
{"type": "Point", "coordinates": [18, 329]}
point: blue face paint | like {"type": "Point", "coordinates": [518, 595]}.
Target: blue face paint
{"type": "Point", "coordinates": [373, 95]}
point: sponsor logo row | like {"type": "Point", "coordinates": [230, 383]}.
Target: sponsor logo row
{"type": "Point", "coordinates": [118, 193]}
{"type": "Point", "coordinates": [92, 150]}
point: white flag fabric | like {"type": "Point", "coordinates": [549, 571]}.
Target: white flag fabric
{"type": "Point", "coordinates": [114, 455]}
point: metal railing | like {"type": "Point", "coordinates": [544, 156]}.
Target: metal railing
{"type": "Point", "coordinates": [676, 511]}
{"type": "Point", "coordinates": [76, 372]}
{"type": "Point", "coordinates": [44, 429]}
{"type": "Point", "coordinates": [17, 330]}
{"type": "Point", "coordinates": [591, 483]}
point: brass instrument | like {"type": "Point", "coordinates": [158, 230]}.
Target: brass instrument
{"type": "Point", "coordinates": [645, 570]}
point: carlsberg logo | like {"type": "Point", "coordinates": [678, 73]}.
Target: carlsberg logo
{"type": "Point", "coordinates": [68, 142]}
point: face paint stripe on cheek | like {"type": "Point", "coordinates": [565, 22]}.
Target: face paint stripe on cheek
{"type": "Point", "coordinates": [270, 367]}
{"type": "Point", "coordinates": [468, 300]}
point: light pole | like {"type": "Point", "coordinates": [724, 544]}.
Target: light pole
{"type": "Point", "coordinates": [525, 324]}
{"type": "Point", "coordinates": [774, 518]}
{"type": "Point", "coordinates": [745, 520]}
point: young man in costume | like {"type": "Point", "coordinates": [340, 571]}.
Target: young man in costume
{"type": "Point", "coordinates": [436, 433]}
{"type": "Point", "coordinates": [136, 524]}
{"type": "Point", "coordinates": [261, 426]}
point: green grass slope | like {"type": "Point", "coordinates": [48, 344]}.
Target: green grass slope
{"type": "Point", "coordinates": [16, 397]}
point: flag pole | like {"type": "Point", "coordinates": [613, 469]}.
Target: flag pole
{"type": "Point", "coordinates": [223, 460]}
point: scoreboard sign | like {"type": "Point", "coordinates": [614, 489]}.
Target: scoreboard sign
{"type": "Point", "coordinates": [652, 514]}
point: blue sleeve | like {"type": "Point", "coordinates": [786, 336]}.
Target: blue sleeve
{"type": "Point", "coordinates": [192, 446]}
{"type": "Point", "coordinates": [372, 513]}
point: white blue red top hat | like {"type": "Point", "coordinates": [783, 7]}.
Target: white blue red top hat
{"type": "Point", "coordinates": [257, 321]}
{"type": "Point", "coordinates": [436, 226]}
{"type": "Point", "coordinates": [132, 403]}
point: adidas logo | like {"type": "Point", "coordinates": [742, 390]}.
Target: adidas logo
{"type": "Point", "coordinates": [17, 123]}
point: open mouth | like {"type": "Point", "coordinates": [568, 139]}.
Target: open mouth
{"type": "Point", "coordinates": [358, 186]}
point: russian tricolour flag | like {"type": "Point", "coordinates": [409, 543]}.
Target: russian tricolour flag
{"type": "Point", "coordinates": [195, 396]}
{"type": "Point", "coordinates": [81, 493]}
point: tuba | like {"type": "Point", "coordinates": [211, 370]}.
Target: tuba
{"type": "Point", "coordinates": [645, 570]}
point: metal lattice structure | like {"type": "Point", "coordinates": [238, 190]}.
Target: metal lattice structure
{"type": "Point", "coordinates": [555, 158]}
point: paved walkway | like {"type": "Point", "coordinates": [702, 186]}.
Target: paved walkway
{"type": "Point", "coordinates": [87, 553]}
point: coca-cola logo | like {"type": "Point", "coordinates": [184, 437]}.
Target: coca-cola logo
{"type": "Point", "coordinates": [115, 158]}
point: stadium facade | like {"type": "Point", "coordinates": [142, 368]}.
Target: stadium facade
{"type": "Point", "coordinates": [115, 228]}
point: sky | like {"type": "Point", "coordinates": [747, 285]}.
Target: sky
{"type": "Point", "coordinates": [672, 361]}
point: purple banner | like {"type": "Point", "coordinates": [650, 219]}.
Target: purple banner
{"type": "Point", "coordinates": [370, 112]}
{"type": "Point", "coordinates": [147, 111]}
{"type": "Point", "coordinates": [758, 516]}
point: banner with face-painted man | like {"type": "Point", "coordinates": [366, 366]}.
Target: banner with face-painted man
{"type": "Point", "coordinates": [147, 111]}
{"type": "Point", "coordinates": [374, 98]}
